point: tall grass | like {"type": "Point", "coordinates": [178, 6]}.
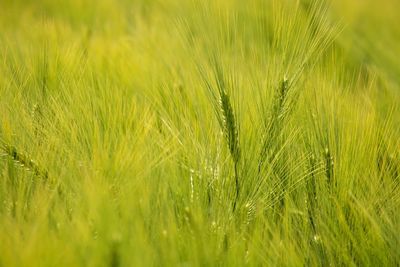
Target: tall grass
{"type": "Point", "coordinates": [199, 133]}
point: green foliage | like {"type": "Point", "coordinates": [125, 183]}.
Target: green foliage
{"type": "Point", "coordinates": [199, 133]}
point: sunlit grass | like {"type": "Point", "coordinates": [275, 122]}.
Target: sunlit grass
{"type": "Point", "coordinates": [199, 133]}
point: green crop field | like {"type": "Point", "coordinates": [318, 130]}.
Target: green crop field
{"type": "Point", "coordinates": [199, 133]}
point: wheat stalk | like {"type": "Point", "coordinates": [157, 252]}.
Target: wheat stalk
{"type": "Point", "coordinates": [23, 159]}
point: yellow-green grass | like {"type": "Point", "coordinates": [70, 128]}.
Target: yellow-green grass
{"type": "Point", "coordinates": [199, 133]}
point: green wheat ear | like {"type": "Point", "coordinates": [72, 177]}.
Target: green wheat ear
{"type": "Point", "coordinates": [23, 160]}
{"type": "Point", "coordinates": [229, 125]}
{"type": "Point", "coordinates": [231, 136]}
{"type": "Point", "coordinates": [279, 108]}
{"type": "Point", "coordinates": [227, 120]}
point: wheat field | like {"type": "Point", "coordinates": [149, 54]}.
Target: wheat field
{"type": "Point", "coordinates": [199, 133]}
